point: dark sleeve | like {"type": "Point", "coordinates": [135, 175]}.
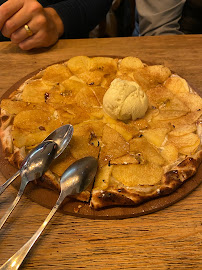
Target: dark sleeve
{"type": "Point", "coordinates": [191, 21]}
{"type": "Point", "coordinates": [80, 16]}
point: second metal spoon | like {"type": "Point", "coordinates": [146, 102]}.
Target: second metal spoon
{"type": "Point", "coordinates": [74, 180]}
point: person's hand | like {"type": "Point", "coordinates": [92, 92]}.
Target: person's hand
{"type": "Point", "coordinates": [30, 25]}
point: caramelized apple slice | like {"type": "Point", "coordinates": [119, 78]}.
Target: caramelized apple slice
{"type": "Point", "coordinates": [78, 64]}
{"type": "Point", "coordinates": [26, 138]}
{"type": "Point", "coordinates": [86, 139]}
{"type": "Point", "coordinates": [13, 107]}
{"type": "Point", "coordinates": [145, 152]}
{"type": "Point", "coordinates": [56, 73]}
{"type": "Point", "coordinates": [92, 77]}
{"type": "Point", "coordinates": [159, 73]}
{"type": "Point", "coordinates": [177, 85]}
{"type": "Point", "coordinates": [128, 131]}
{"type": "Point", "coordinates": [132, 175]}
{"type": "Point", "coordinates": [34, 120]}
{"type": "Point", "coordinates": [35, 91]}
{"type": "Point", "coordinates": [186, 140]}
{"type": "Point", "coordinates": [169, 115]}
{"type": "Point", "coordinates": [191, 100]}
{"type": "Point", "coordinates": [106, 64]}
{"type": "Point", "coordinates": [151, 76]}
{"type": "Point", "coordinates": [86, 99]}
{"type": "Point", "coordinates": [113, 145]}
{"type": "Point", "coordinates": [158, 96]}
{"type": "Point", "coordinates": [182, 130]}
{"type": "Point", "coordinates": [190, 150]}
{"type": "Point", "coordinates": [156, 136]}
{"type": "Point", "coordinates": [170, 153]}
{"type": "Point", "coordinates": [99, 92]}
{"type": "Point", "coordinates": [187, 119]}
{"type": "Point", "coordinates": [103, 178]}
{"type": "Point", "coordinates": [174, 104]}
{"type": "Point", "coordinates": [64, 94]}
{"type": "Point", "coordinates": [130, 63]}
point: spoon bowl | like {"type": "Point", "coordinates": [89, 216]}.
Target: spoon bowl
{"type": "Point", "coordinates": [62, 137]}
{"type": "Point", "coordinates": [33, 167]}
{"type": "Point", "coordinates": [79, 175]}
{"type": "Point", "coordinates": [74, 180]}
{"type": "Point", "coordinates": [38, 160]}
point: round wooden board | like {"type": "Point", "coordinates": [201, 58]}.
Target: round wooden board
{"type": "Point", "coordinates": [47, 197]}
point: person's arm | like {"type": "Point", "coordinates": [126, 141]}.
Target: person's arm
{"type": "Point", "coordinates": [29, 25]}
{"type": "Point", "coordinates": [33, 24]}
{"type": "Point", "coordinates": [159, 17]}
{"type": "Point", "coordinates": [80, 16]}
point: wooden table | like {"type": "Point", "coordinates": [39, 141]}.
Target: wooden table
{"type": "Point", "coordinates": [168, 239]}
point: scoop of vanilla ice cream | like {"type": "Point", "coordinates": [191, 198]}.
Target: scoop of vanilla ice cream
{"type": "Point", "coordinates": [125, 100]}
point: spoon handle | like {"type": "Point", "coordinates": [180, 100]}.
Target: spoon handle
{"type": "Point", "coordinates": [10, 209]}
{"type": "Point", "coordinates": [8, 182]}
{"type": "Point", "coordinates": [15, 261]}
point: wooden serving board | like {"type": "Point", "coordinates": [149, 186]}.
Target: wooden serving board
{"type": "Point", "coordinates": [47, 197]}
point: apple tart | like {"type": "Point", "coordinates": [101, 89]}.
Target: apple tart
{"type": "Point", "coordinates": [139, 158]}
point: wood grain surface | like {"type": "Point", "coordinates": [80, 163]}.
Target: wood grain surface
{"type": "Point", "coordinates": [167, 239]}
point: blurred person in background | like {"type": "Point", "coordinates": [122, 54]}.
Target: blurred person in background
{"type": "Point", "coordinates": [169, 17]}
{"type": "Point", "coordinates": [33, 24]}
{"type": "Point", "coordinates": [151, 17]}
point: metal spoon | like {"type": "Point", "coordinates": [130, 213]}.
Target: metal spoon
{"type": "Point", "coordinates": [75, 179]}
{"type": "Point", "coordinates": [32, 168]}
{"type": "Point", "coordinates": [61, 136]}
